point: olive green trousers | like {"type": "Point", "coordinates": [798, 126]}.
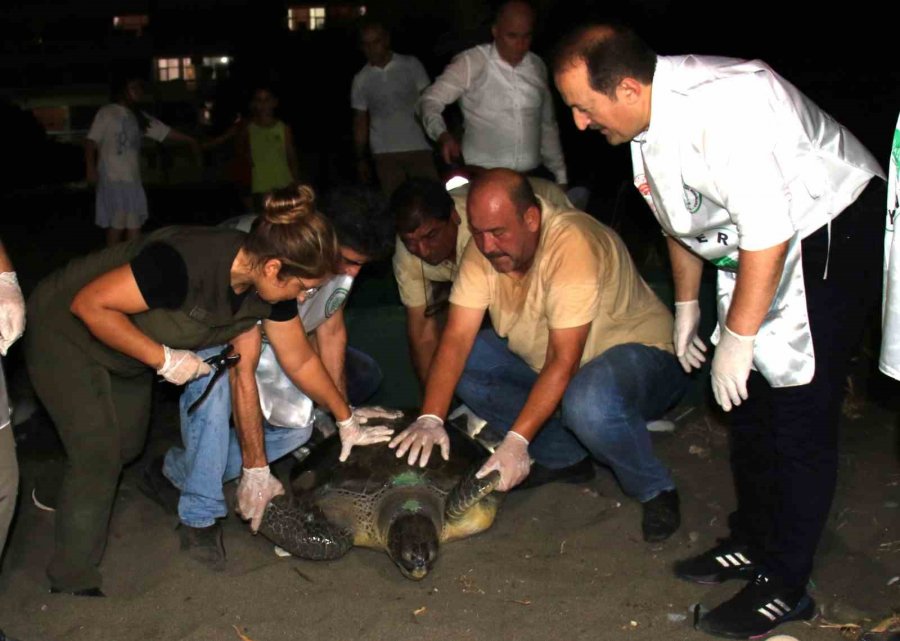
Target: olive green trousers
{"type": "Point", "coordinates": [102, 422]}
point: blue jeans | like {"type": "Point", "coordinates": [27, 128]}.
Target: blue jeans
{"type": "Point", "coordinates": [211, 454]}
{"type": "Point", "coordinates": [603, 413]}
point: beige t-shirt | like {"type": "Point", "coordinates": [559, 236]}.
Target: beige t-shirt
{"type": "Point", "coordinates": [414, 276]}
{"type": "Point", "coordinates": [582, 273]}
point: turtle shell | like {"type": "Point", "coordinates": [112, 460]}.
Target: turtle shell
{"type": "Point", "coordinates": [372, 487]}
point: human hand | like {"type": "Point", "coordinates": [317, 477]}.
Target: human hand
{"type": "Point", "coordinates": [450, 149]}
{"type": "Point", "coordinates": [511, 460]}
{"type": "Point", "coordinates": [422, 435]}
{"type": "Point", "coordinates": [368, 412]}
{"type": "Point", "coordinates": [12, 311]}
{"type": "Point", "coordinates": [689, 348]}
{"type": "Point", "coordinates": [731, 368]}
{"type": "Point", "coordinates": [182, 366]}
{"type": "Point", "coordinates": [256, 488]}
{"type": "Point", "coordinates": [353, 433]}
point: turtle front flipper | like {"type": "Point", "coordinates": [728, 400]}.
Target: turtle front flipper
{"type": "Point", "coordinates": [303, 530]}
{"type": "Point", "coordinates": [469, 492]}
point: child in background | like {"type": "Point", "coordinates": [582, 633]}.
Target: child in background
{"type": "Point", "coordinates": [265, 146]}
{"type": "Point", "coordinates": [116, 134]}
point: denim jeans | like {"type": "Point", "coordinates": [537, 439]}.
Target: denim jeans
{"type": "Point", "coordinates": [211, 454]}
{"type": "Point", "coordinates": [603, 413]}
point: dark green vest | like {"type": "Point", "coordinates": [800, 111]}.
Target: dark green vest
{"type": "Point", "coordinates": [204, 319]}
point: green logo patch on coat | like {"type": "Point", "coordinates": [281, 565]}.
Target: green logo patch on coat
{"type": "Point", "coordinates": [335, 301]}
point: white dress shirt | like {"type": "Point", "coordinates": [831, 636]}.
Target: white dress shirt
{"type": "Point", "coordinates": [508, 111]}
{"type": "Point", "coordinates": [389, 95]}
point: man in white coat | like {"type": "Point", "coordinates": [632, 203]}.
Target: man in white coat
{"type": "Point", "coordinates": [744, 171]}
{"type": "Point", "coordinates": [889, 363]}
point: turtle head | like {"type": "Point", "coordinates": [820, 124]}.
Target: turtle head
{"type": "Point", "coordinates": [412, 543]}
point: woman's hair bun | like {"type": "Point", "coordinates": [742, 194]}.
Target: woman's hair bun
{"type": "Point", "coordinates": [289, 204]}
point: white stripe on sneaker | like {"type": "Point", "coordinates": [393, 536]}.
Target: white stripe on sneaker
{"type": "Point", "coordinates": [743, 558]}
{"type": "Point", "coordinates": [767, 614]}
{"type": "Point", "coordinates": [722, 561]}
{"type": "Point", "coordinates": [774, 609]}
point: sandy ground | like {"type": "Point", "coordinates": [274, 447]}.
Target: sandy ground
{"type": "Point", "coordinates": [561, 562]}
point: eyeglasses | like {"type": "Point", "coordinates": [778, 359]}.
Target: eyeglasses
{"type": "Point", "coordinates": [307, 292]}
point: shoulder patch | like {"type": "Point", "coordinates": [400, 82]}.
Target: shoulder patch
{"type": "Point", "coordinates": [335, 301]}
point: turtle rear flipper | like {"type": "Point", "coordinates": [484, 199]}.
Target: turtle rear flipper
{"type": "Point", "coordinates": [303, 530]}
{"type": "Point", "coordinates": [469, 492]}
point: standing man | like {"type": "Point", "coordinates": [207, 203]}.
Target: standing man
{"type": "Point", "coordinates": [12, 325]}
{"type": "Point", "coordinates": [579, 356]}
{"type": "Point", "coordinates": [383, 97]}
{"type": "Point", "coordinates": [742, 170]}
{"type": "Point", "coordinates": [505, 100]}
{"type": "Point", "coordinates": [889, 361]}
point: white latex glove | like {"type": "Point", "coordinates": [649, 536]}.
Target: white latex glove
{"type": "Point", "coordinates": [182, 366]}
{"type": "Point", "coordinates": [353, 433]}
{"type": "Point", "coordinates": [511, 458]}
{"type": "Point", "coordinates": [256, 488]}
{"type": "Point", "coordinates": [688, 346]}
{"type": "Point", "coordinates": [12, 311]}
{"type": "Point", "coordinates": [365, 414]}
{"type": "Point", "coordinates": [422, 435]}
{"type": "Point", "coordinates": [731, 368]}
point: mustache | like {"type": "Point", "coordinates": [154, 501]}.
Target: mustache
{"type": "Point", "coordinates": [495, 255]}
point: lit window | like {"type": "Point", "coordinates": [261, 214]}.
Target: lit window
{"type": "Point", "coordinates": [168, 69]}
{"type": "Point", "coordinates": [134, 23]}
{"type": "Point", "coordinates": [217, 66]}
{"type": "Point", "coordinates": [316, 18]}
{"type": "Point", "coordinates": [176, 69]}
{"type": "Point", "coordinates": [306, 18]}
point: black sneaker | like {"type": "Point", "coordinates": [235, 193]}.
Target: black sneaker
{"type": "Point", "coordinates": [662, 516]}
{"type": "Point", "coordinates": [579, 472]}
{"type": "Point", "coordinates": [204, 545]}
{"type": "Point", "coordinates": [759, 608]}
{"type": "Point", "coordinates": [156, 487]}
{"type": "Point", "coordinates": [727, 560]}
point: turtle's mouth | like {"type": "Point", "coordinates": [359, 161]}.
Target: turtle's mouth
{"type": "Point", "coordinates": [416, 574]}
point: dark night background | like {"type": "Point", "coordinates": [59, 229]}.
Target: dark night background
{"type": "Point", "coordinates": [64, 53]}
{"type": "Point", "coordinates": [839, 56]}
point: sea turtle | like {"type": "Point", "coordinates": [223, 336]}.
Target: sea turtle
{"type": "Point", "coordinates": [378, 501]}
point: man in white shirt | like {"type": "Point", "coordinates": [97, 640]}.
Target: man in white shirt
{"type": "Point", "coordinates": [505, 100]}
{"type": "Point", "coordinates": [744, 171]}
{"type": "Point", "coordinates": [383, 97]}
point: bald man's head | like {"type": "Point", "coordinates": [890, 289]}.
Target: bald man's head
{"type": "Point", "coordinates": [505, 219]}
{"type": "Point", "coordinates": [512, 30]}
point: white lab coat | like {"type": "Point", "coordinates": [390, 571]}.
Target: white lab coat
{"type": "Point", "coordinates": [890, 336]}
{"type": "Point", "coordinates": [737, 158]}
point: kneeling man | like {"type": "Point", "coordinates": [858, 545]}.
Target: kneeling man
{"type": "Point", "coordinates": [579, 356]}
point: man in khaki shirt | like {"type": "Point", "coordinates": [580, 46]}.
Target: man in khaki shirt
{"type": "Point", "coordinates": [432, 233]}
{"type": "Point", "coordinates": [579, 357]}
